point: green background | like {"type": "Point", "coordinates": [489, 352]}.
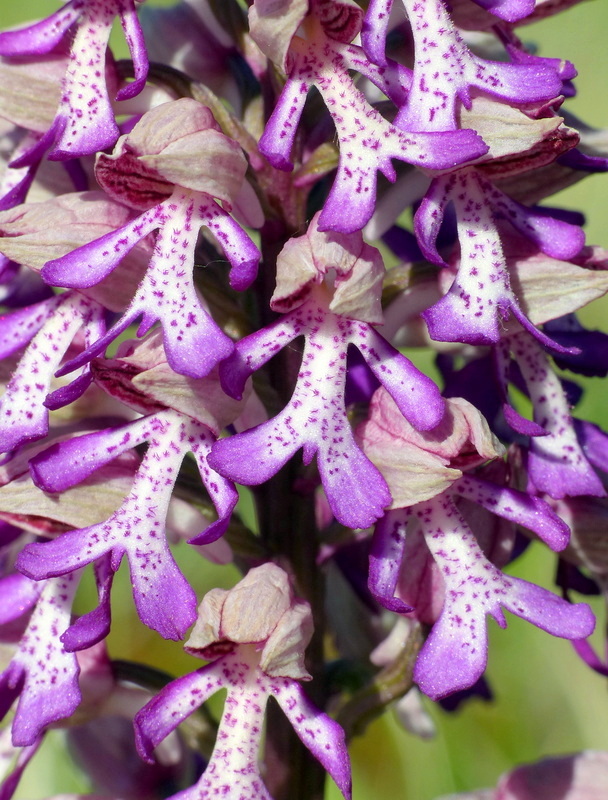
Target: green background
{"type": "Point", "coordinates": [547, 701]}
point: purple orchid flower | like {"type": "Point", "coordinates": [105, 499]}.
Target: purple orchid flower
{"type": "Point", "coordinates": [481, 296]}
{"type": "Point", "coordinates": [178, 193]}
{"type": "Point", "coordinates": [446, 73]}
{"type": "Point", "coordinates": [41, 673]}
{"type": "Point", "coordinates": [49, 327]}
{"type": "Point", "coordinates": [367, 141]}
{"type": "Point", "coordinates": [315, 418]}
{"type": "Point", "coordinates": [84, 122]}
{"type": "Point", "coordinates": [557, 463]}
{"type": "Point", "coordinates": [425, 543]}
{"type": "Point", "coordinates": [377, 19]}
{"type": "Point", "coordinates": [165, 600]}
{"type": "Point", "coordinates": [455, 654]}
{"type": "Point", "coordinates": [265, 632]}
{"type": "Point", "coordinates": [17, 180]}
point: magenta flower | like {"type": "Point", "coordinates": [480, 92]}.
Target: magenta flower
{"type": "Point", "coordinates": [455, 654]}
{"type": "Point", "coordinates": [41, 673]}
{"type": "Point", "coordinates": [287, 138]}
{"type": "Point", "coordinates": [49, 327]}
{"type": "Point", "coordinates": [481, 297]}
{"type": "Point", "coordinates": [255, 636]}
{"type": "Point", "coordinates": [446, 73]}
{"type": "Point", "coordinates": [582, 776]}
{"type": "Point", "coordinates": [557, 464]}
{"type": "Point", "coordinates": [137, 528]}
{"type": "Point", "coordinates": [426, 527]}
{"type": "Point", "coordinates": [315, 418]}
{"type": "Point", "coordinates": [368, 142]}
{"type": "Point", "coordinates": [84, 122]}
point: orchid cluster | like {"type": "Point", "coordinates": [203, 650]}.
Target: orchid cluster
{"type": "Point", "coordinates": [213, 254]}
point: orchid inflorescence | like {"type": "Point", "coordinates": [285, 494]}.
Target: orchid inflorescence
{"type": "Point", "coordinates": [196, 309]}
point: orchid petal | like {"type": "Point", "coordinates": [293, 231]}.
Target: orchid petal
{"type": "Point", "coordinates": [322, 735]}
{"type": "Point", "coordinates": [67, 463]}
{"type": "Point", "coordinates": [509, 10]}
{"type": "Point", "coordinates": [172, 705]}
{"type": "Point", "coordinates": [92, 628]}
{"type": "Point", "coordinates": [18, 595]}
{"type": "Point", "coordinates": [454, 656]}
{"type": "Point", "coordinates": [531, 512]}
{"type": "Point", "coordinates": [137, 48]}
{"type": "Point", "coordinates": [41, 37]}
{"type": "Point", "coordinates": [445, 72]}
{"type": "Point", "coordinates": [386, 557]}
{"type": "Point", "coordinates": [556, 463]}
{"type": "Point", "coordinates": [481, 297]}
{"type": "Point", "coordinates": [193, 341]}
{"type": "Point", "coordinates": [23, 415]}
{"type": "Point", "coordinates": [137, 528]}
{"type": "Point", "coordinates": [416, 395]}
{"type": "Point", "coordinates": [375, 29]}
{"type": "Point", "coordinates": [314, 419]}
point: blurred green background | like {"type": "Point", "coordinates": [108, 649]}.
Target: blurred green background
{"type": "Point", "coordinates": [546, 701]}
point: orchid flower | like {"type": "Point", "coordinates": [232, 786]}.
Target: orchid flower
{"type": "Point", "coordinates": [273, 143]}
{"type": "Point", "coordinates": [41, 673]}
{"type": "Point", "coordinates": [426, 519]}
{"type": "Point", "coordinates": [137, 528]}
{"type": "Point", "coordinates": [557, 464]}
{"type": "Point", "coordinates": [481, 296]}
{"type": "Point", "coordinates": [182, 161]}
{"type": "Point", "coordinates": [367, 141]}
{"type": "Point", "coordinates": [255, 635]}
{"type": "Point", "coordinates": [330, 319]}
{"type": "Point", "coordinates": [84, 122]}
{"type": "Point", "coordinates": [445, 70]}
{"type": "Point", "coordinates": [49, 327]}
